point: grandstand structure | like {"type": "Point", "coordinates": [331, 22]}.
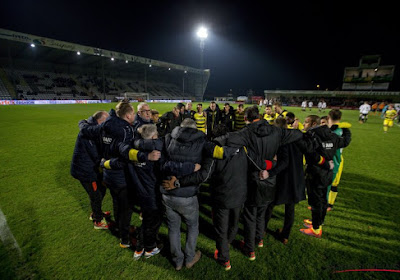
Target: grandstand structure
{"type": "Point", "coordinates": [368, 81]}
{"type": "Point", "coordinates": [35, 68]}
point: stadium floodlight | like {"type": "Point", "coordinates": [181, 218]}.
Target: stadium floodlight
{"type": "Point", "coordinates": [78, 53]}
{"type": "Point", "coordinates": [112, 58]}
{"type": "Point", "coordinates": [202, 33]}
{"type": "Point", "coordinates": [33, 45]}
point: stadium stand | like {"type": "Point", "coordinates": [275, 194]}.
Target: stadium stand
{"type": "Point", "coordinates": [33, 67]}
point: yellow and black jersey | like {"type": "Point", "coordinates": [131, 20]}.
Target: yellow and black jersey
{"type": "Point", "coordinates": [281, 115]}
{"type": "Point", "coordinates": [239, 120]}
{"type": "Point", "coordinates": [390, 114]}
{"type": "Point", "coordinates": [200, 120]}
{"type": "Point", "coordinates": [300, 127]}
{"type": "Point", "coordinates": [269, 118]}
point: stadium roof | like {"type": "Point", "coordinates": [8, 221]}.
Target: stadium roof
{"type": "Point", "coordinates": [17, 45]}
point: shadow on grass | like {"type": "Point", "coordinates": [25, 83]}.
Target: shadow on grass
{"type": "Point", "coordinates": [370, 194]}
{"type": "Point", "coordinates": [65, 181]}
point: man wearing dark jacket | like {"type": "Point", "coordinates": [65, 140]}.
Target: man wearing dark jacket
{"type": "Point", "coordinates": [318, 179]}
{"type": "Point", "coordinates": [289, 179]}
{"type": "Point", "coordinates": [170, 120]}
{"type": "Point", "coordinates": [213, 116]}
{"type": "Point", "coordinates": [115, 130]}
{"type": "Point", "coordinates": [143, 116]}
{"type": "Point", "coordinates": [188, 113]}
{"type": "Point", "coordinates": [85, 168]}
{"type": "Point", "coordinates": [228, 117]}
{"type": "Point", "coordinates": [262, 141]}
{"type": "Point", "coordinates": [184, 144]}
{"type": "Point", "coordinates": [228, 183]}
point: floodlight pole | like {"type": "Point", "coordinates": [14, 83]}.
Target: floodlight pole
{"type": "Point", "coordinates": [183, 85]}
{"type": "Point", "coordinates": [202, 64]}
{"type": "Point", "coordinates": [202, 34]}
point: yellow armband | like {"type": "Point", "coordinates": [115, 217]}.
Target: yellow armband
{"type": "Point", "coordinates": [133, 154]}
{"type": "Point", "coordinates": [218, 152]}
{"type": "Point", "coordinates": [107, 164]}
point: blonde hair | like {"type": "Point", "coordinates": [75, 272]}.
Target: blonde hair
{"type": "Point", "coordinates": [147, 131]}
{"type": "Point", "coordinates": [123, 108]}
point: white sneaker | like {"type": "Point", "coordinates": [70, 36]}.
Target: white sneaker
{"type": "Point", "coordinates": [138, 254]}
{"type": "Point", "coordinates": [153, 252]}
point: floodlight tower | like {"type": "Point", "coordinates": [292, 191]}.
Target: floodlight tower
{"type": "Point", "coordinates": [202, 33]}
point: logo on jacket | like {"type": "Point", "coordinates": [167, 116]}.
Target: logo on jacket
{"type": "Point", "coordinates": [107, 140]}
{"type": "Point", "coordinates": [327, 145]}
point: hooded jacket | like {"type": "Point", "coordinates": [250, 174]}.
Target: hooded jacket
{"type": "Point", "coordinates": [227, 178]}
{"type": "Point", "coordinates": [262, 141]}
{"type": "Point", "coordinates": [184, 144]}
{"type": "Point", "coordinates": [86, 158]}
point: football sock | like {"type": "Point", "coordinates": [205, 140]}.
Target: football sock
{"type": "Point", "coordinates": [332, 197]}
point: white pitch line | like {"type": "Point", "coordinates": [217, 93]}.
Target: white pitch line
{"type": "Point", "coordinates": [6, 235]}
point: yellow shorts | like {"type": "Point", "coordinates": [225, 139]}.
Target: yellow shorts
{"type": "Point", "coordinates": [388, 122]}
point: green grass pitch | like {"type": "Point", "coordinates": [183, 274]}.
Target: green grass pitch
{"type": "Point", "coordinates": [47, 211]}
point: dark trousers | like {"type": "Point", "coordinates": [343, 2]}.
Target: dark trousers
{"type": "Point", "coordinates": [96, 192]}
{"type": "Point", "coordinates": [226, 222]}
{"type": "Point", "coordinates": [254, 226]}
{"type": "Point", "coordinates": [288, 221]}
{"type": "Point", "coordinates": [122, 211]}
{"type": "Point", "coordinates": [317, 188]}
{"type": "Point", "coordinates": [151, 223]}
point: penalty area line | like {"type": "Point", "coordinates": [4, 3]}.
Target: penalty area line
{"type": "Point", "coordinates": [6, 235]}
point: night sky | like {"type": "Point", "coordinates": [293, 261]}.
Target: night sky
{"type": "Point", "coordinates": [251, 44]}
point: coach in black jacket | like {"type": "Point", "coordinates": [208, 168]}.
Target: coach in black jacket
{"type": "Point", "coordinates": [85, 168]}
{"type": "Point", "coordinates": [228, 184]}
{"type": "Point", "coordinates": [213, 115]}
{"type": "Point", "coordinates": [262, 141]}
{"type": "Point", "coordinates": [143, 116]}
{"type": "Point", "coordinates": [117, 129]}
{"type": "Point", "coordinates": [291, 186]}
{"type": "Point", "coordinates": [170, 120]}
{"type": "Point", "coordinates": [185, 144]}
{"type": "Point", "coordinates": [317, 178]}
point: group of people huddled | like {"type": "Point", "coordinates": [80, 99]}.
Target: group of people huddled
{"type": "Point", "coordinates": [250, 161]}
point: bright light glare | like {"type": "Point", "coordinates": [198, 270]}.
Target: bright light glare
{"type": "Point", "coordinates": [112, 58]}
{"type": "Point", "coordinates": [78, 53]}
{"type": "Point", "coordinates": [126, 61]}
{"type": "Point", "coordinates": [33, 45]}
{"type": "Point", "coordinates": [169, 68]}
{"type": "Point", "coordinates": [202, 33]}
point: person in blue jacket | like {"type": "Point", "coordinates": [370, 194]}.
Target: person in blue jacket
{"type": "Point", "coordinates": [85, 168]}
